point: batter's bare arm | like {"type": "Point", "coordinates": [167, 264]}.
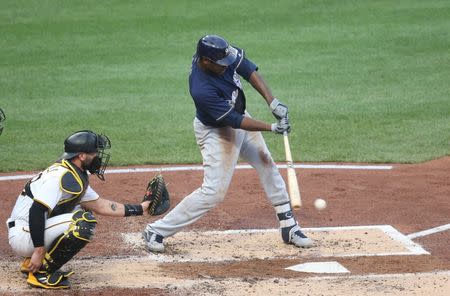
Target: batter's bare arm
{"type": "Point", "coordinates": [279, 127]}
{"type": "Point", "coordinates": [279, 110]}
{"type": "Point", "coordinates": [111, 208]}
{"type": "Point", "coordinates": [250, 124]}
{"type": "Point", "coordinates": [258, 83]}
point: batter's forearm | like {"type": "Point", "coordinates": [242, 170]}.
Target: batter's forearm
{"type": "Point", "coordinates": [261, 86]}
{"type": "Point", "coordinates": [250, 124]}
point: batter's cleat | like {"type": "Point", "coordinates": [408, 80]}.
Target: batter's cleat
{"type": "Point", "coordinates": [298, 239]}
{"type": "Point", "coordinates": [56, 280]}
{"type": "Point", "coordinates": [154, 241]}
{"type": "Point", "coordinates": [24, 266]}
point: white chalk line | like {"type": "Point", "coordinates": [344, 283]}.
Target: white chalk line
{"type": "Point", "coordinates": [429, 231]}
{"type": "Point", "coordinates": [379, 276]}
{"type": "Point", "coordinates": [239, 167]}
{"type": "Point", "coordinates": [406, 241]}
{"type": "Point", "coordinates": [412, 247]}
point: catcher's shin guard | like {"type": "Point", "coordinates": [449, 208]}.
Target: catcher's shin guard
{"type": "Point", "coordinates": [68, 244]}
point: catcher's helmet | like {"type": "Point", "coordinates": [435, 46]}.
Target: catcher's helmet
{"type": "Point", "coordinates": [84, 141]}
{"type": "Point", "coordinates": [216, 49]}
{"type": "Point", "coordinates": [88, 142]}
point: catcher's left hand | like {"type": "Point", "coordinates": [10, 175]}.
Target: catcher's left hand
{"type": "Point", "coordinates": [158, 196]}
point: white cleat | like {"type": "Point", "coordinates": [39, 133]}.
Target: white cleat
{"type": "Point", "coordinates": [298, 239]}
{"type": "Point", "coordinates": [153, 241]}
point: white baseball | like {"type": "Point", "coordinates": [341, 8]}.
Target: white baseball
{"type": "Point", "coordinates": [320, 204]}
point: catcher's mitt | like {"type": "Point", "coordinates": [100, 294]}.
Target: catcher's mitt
{"type": "Point", "coordinates": [158, 196]}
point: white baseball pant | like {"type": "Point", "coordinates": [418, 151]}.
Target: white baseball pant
{"type": "Point", "coordinates": [221, 149]}
{"type": "Point", "coordinates": [20, 239]}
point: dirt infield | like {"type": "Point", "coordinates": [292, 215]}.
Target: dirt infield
{"type": "Point", "coordinates": [236, 250]}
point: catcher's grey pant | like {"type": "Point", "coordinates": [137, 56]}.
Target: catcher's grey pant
{"type": "Point", "coordinates": [221, 149]}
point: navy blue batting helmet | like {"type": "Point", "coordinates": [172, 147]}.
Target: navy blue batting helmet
{"type": "Point", "coordinates": [216, 49]}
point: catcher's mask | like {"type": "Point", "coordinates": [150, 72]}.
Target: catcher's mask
{"type": "Point", "coordinates": [88, 142]}
{"type": "Point", "coordinates": [2, 119]}
{"type": "Point", "coordinates": [217, 50]}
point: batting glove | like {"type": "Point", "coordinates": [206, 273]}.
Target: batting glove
{"type": "Point", "coordinates": [279, 110]}
{"type": "Point", "coordinates": [281, 126]}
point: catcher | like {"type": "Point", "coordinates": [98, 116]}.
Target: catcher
{"type": "Point", "coordinates": [53, 219]}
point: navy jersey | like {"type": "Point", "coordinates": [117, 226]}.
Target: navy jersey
{"type": "Point", "coordinates": [219, 99]}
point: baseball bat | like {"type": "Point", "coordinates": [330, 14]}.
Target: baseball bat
{"type": "Point", "coordinates": [293, 188]}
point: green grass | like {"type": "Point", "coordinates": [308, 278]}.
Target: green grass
{"type": "Point", "coordinates": [365, 81]}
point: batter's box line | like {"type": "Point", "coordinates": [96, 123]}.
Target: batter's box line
{"type": "Point", "coordinates": [381, 276]}
{"type": "Point", "coordinates": [390, 232]}
{"type": "Point", "coordinates": [429, 231]}
{"type": "Point", "coordinates": [414, 248]}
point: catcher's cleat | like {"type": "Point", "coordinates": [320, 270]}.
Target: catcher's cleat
{"type": "Point", "coordinates": [24, 266]}
{"type": "Point", "coordinates": [298, 239]}
{"type": "Point", "coordinates": [153, 241]}
{"type": "Point", "coordinates": [56, 280]}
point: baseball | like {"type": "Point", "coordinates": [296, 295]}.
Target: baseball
{"type": "Point", "coordinates": [320, 204]}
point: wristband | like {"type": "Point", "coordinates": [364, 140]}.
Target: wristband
{"type": "Point", "coordinates": [273, 127]}
{"type": "Point", "coordinates": [133, 210]}
{"type": "Point", "coordinates": [274, 104]}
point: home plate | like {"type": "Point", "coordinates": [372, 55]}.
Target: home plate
{"type": "Point", "coordinates": [319, 267]}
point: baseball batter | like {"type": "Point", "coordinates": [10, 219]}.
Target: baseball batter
{"type": "Point", "coordinates": [52, 220]}
{"type": "Point", "coordinates": [225, 132]}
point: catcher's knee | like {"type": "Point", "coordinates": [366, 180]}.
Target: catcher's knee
{"type": "Point", "coordinates": [68, 244]}
{"type": "Point", "coordinates": [83, 225]}
{"type": "Point", "coordinates": [80, 232]}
